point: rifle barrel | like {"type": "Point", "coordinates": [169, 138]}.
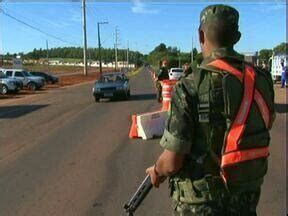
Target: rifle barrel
{"type": "Point", "coordinates": [138, 196]}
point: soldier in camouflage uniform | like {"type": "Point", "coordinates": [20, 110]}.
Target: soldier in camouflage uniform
{"type": "Point", "coordinates": [195, 184]}
{"type": "Point", "coordinates": [162, 75]}
{"type": "Point", "coordinates": [187, 69]}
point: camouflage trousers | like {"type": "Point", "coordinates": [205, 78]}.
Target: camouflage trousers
{"type": "Point", "coordinates": [242, 204]}
{"type": "Point", "coordinates": [159, 91]}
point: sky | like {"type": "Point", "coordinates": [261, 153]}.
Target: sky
{"type": "Point", "coordinates": [142, 25]}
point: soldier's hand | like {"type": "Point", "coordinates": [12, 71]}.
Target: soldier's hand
{"type": "Point", "coordinates": [156, 180]}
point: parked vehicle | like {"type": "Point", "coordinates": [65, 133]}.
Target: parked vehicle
{"type": "Point", "coordinates": [112, 85]}
{"type": "Point", "coordinates": [18, 82]}
{"type": "Point", "coordinates": [175, 73]}
{"type": "Point", "coordinates": [31, 82]}
{"type": "Point", "coordinates": [276, 68]}
{"type": "Point", "coordinates": [7, 84]}
{"type": "Point", "coordinates": [49, 78]}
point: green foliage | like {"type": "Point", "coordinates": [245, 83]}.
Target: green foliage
{"type": "Point", "coordinates": [108, 54]}
{"type": "Point", "coordinates": [160, 48]}
{"type": "Point", "coordinates": [171, 54]}
{"type": "Point", "coordinates": [199, 58]}
{"type": "Point", "coordinates": [281, 48]}
{"type": "Point", "coordinates": [265, 54]}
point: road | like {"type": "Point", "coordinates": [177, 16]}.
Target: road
{"type": "Point", "coordinates": [63, 154]}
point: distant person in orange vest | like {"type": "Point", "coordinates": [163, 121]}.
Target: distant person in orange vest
{"type": "Point", "coordinates": [163, 71]}
{"type": "Point", "coordinates": [187, 69]}
{"type": "Point", "coordinates": [162, 75]}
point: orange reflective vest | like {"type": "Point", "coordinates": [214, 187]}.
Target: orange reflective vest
{"type": "Point", "coordinates": [232, 154]}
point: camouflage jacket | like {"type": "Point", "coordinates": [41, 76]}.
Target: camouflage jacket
{"type": "Point", "coordinates": [198, 181]}
{"type": "Point", "coordinates": [163, 73]}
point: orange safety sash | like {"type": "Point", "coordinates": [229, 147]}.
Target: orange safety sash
{"type": "Point", "coordinates": [261, 104]}
{"type": "Point", "coordinates": [231, 154]}
{"type": "Point", "coordinates": [238, 124]}
{"type": "Point", "coordinates": [244, 155]}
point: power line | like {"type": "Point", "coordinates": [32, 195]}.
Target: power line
{"type": "Point", "coordinates": [91, 12]}
{"type": "Point", "coordinates": [98, 13]}
{"type": "Point", "coordinates": [42, 22]}
{"type": "Point", "coordinates": [111, 35]}
{"type": "Point", "coordinates": [35, 28]}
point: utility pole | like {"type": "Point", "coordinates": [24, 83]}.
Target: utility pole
{"type": "Point", "coordinates": [99, 45]}
{"type": "Point", "coordinates": [192, 57]}
{"type": "Point", "coordinates": [1, 54]}
{"type": "Point", "coordinates": [116, 44]}
{"type": "Point", "coordinates": [84, 37]}
{"type": "Point", "coordinates": [128, 54]}
{"type": "Point", "coordinates": [47, 56]}
{"type": "Point", "coordinates": [179, 58]}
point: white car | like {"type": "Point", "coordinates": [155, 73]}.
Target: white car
{"type": "Point", "coordinates": [175, 73]}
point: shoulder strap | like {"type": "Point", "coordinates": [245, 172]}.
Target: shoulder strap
{"type": "Point", "coordinates": [261, 103]}
{"type": "Point", "coordinates": [239, 123]}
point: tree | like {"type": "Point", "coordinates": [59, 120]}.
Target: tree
{"type": "Point", "coordinates": [199, 58]}
{"type": "Point", "coordinates": [265, 54]}
{"type": "Point", "coordinates": [281, 48]}
{"type": "Point", "coordinates": [169, 53]}
{"type": "Point", "coordinates": [195, 52]}
{"type": "Point", "coordinates": [160, 48]}
{"type": "Point", "coordinates": [108, 54]}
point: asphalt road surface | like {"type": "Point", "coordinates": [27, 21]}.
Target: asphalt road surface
{"type": "Point", "coordinates": [62, 154]}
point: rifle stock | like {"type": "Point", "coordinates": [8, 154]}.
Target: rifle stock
{"type": "Point", "coordinates": [138, 196]}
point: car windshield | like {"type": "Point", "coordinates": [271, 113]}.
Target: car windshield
{"type": "Point", "coordinates": [2, 75]}
{"type": "Point", "coordinates": [177, 70]}
{"type": "Point", "coordinates": [112, 78]}
{"type": "Point", "coordinates": [27, 74]}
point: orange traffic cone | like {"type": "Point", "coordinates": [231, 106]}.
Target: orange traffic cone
{"type": "Point", "coordinates": [165, 105]}
{"type": "Point", "coordinates": [167, 88]}
{"type": "Point", "coordinates": [133, 131]}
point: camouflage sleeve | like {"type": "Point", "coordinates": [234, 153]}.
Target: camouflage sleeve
{"type": "Point", "coordinates": [160, 74]}
{"type": "Point", "coordinates": [180, 125]}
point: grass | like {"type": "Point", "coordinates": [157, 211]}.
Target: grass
{"type": "Point", "coordinates": [134, 72]}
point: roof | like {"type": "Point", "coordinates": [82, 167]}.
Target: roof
{"type": "Point", "coordinates": [176, 68]}
{"type": "Point", "coordinates": [112, 73]}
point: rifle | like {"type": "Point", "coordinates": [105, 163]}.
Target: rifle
{"type": "Point", "coordinates": [138, 196]}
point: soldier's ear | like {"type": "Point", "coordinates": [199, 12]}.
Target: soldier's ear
{"type": "Point", "coordinates": [201, 36]}
{"type": "Point", "coordinates": [237, 37]}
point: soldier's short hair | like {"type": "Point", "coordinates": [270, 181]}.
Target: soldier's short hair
{"type": "Point", "coordinates": [220, 23]}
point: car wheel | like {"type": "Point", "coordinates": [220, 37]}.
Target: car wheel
{"type": "Point", "coordinates": [16, 91]}
{"type": "Point", "coordinates": [4, 89]}
{"type": "Point", "coordinates": [97, 99]}
{"type": "Point", "coordinates": [38, 87]}
{"type": "Point", "coordinates": [32, 86]}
